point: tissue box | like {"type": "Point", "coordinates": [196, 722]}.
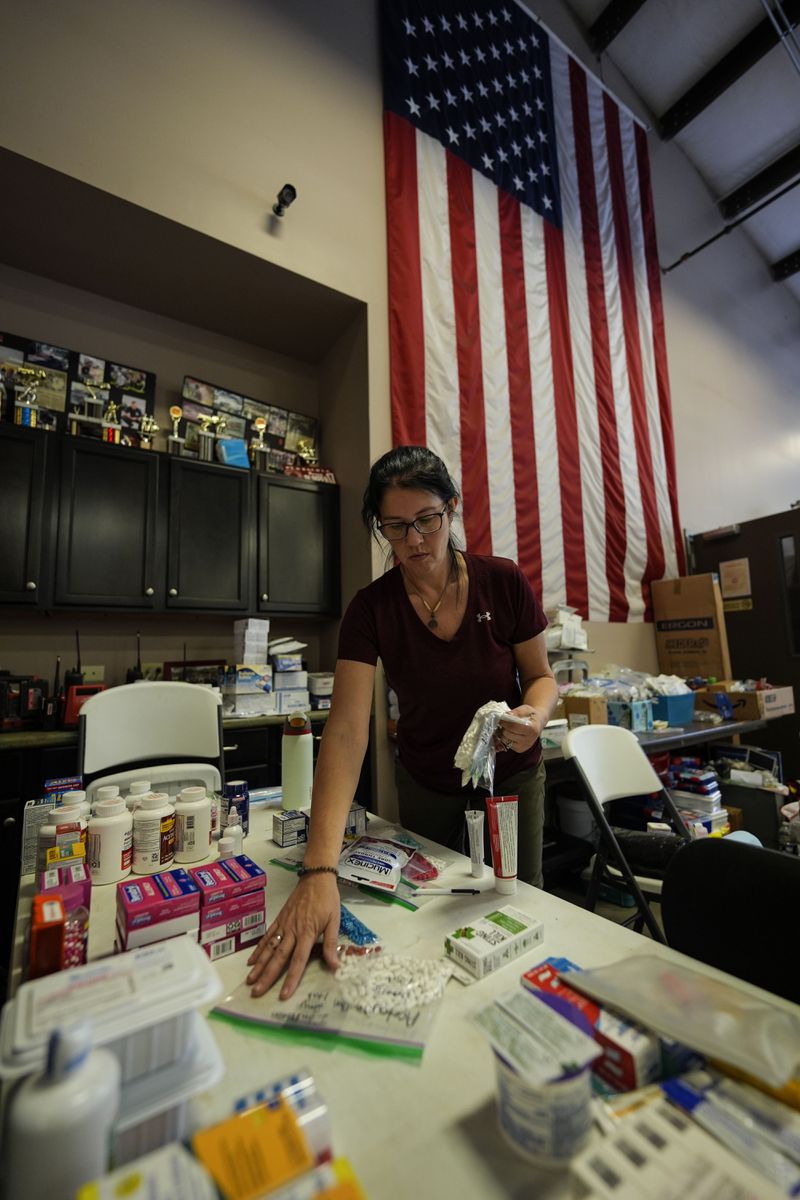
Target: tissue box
{"type": "Point", "coordinates": [493, 940]}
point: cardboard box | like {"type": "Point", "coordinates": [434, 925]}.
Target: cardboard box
{"type": "Point", "coordinates": [691, 638]}
{"type": "Point", "coordinates": [585, 710]}
{"type": "Point", "coordinates": [636, 715]}
{"type": "Point", "coordinates": [289, 828]}
{"type": "Point", "coordinates": [152, 899]}
{"type": "Point", "coordinates": [493, 940]}
{"type": "Point", "coordinates": [232, 924]}
{"type": "Point", "coordinates": [293, 700]}
{"type": "Point", "coordinates": [748, 706]}
{"type": "Point", "coordinates": [227, 879]}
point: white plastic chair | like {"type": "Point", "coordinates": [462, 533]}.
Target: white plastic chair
{"type": "Point", "coordinates": [141, 725]}
{"type": "Point", "coordinates": [613, 766]}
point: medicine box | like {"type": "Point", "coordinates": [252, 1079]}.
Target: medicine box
{"type": "Point", "coordinates": [356, 822]}
{"type": "Point", "coordinates": [289, 828]}
{"type": "Point", "coordinates": [585, 710]}
{"type": "Point", "coordinates": [187, 925]}
{"type": "Point", "coordinates": [320, 683]}
{"type": "Point", "coordinates": [293, 700]}
{"type": "Point", "coordinates": [287, 662]}
{"type": "Point", "coordinates": [72, 883]}
{"type": "Point", "coordinates": [320, 702]}
{"type": "Point", "coordinates": [232, 924]}
{"type": "Point", "coordinates": [493, 940]}
{"type": "Point", "coordinates": [150, 899]}
{"type": "Point", "coordinates": [636, 715]}
{"type": "Point", "coordinates": [141, 1004]}
{"type": "Point", "coordinates": [290, 679]}
{"type": "Point", "coordinates": [228, 878]}
{"type": "Point", "coordinates": [245, 679]}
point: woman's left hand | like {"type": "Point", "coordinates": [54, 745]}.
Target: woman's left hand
{"type": "Point", "coordinates": [519, 738]}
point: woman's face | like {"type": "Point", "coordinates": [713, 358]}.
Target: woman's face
{"type": "Point", "coordinates": [419, 551]}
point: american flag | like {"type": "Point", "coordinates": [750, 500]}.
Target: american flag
{"type": "Point", "coordinates": [526, 323]}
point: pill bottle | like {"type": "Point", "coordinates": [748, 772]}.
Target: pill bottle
{"type": "Point", "coordinates": [153, 834]}
{"type": "Point", "coordinates": [234, 830]}
{"type": "Point", "coordinates": [107, 791]}
{"type": "Point", "coordinates": [227, 847]}
{"type": "Point", "coordinates": [297, 763]}
{"type": "Point", "coordinates": [192, 825]}
{"type": "Point", "coordinates": [63, 827]}
{"type": "Point", "coordinates": [237, 792]}
{"type": "Point", "coordinates": [110, 841]}
{"type": "Point", "coordinates": [73, 799]}
{"type": "Point", "coordinates": [137, 789]}
{"type": "Point", "coordinates": [59, 1121]}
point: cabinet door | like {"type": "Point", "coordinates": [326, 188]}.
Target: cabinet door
{"type": "Point", "coordinates": [107, 526]}
{"type": "Point", "coordinates": [298, 546]}
{"type": "Point", "coordinates": [209, 535]}
{"type": "Point", "coordinates": [22, 489]}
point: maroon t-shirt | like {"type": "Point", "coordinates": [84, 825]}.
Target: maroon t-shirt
{"type": "Point", "coordinates": [440, 685]}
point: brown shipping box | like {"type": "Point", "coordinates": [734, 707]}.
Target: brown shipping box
{"type": "Point", "coordinates": [748, 706]}
{"type": "Point", "coordinates": [585, 710]}
{"type": "Point", "coordinates": [690, 627]}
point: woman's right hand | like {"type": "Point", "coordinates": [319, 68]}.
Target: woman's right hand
{"type": "Point", "coordinates": [312, 909]}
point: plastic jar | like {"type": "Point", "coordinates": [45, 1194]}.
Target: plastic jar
{"type": "Point", "coordinates": [110, 841]}
{"type": "Point", "coordinates": [153, 834]}
{"type": "Point", "coordinates": [77, 799]}
{"type": "Point", "coordinates": [137, 789]}
{"type": "Point", "coordinates": [108, 791]}
{"type": "Point", "coordinates": [237, 792]}
{"type": "Point", "coordinates": [63, 827]}
{"type": "Point", "coordinates": [192, 825]}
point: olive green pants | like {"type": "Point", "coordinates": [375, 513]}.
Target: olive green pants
{"type": "Point", "coordinates": [440, 817]}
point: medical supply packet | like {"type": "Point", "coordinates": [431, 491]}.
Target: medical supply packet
{"type": "Point", "coordinates": [713, 1016]}
{"type": "Point", "coordinates": [373, 861]}
{"type": "Point", "coordinates": [534, 1039]}
{"type": "Point", "coordinates": [493, 940]}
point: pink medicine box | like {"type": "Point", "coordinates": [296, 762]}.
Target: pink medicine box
{"type": "Point", "coordinates": [227, 879]}
{"type": "Point", "coordinates": [232, 924]}
{"type": "Point", "coordinates": [72, 883]}
{"type": "Point", "coordinates": [151, 899]}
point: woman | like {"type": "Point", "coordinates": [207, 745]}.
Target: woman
{"type": "Point", "coordinates": [453, 631]}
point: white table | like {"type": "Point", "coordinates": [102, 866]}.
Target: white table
{"type": "Point", "coordinates": [429, 1130]}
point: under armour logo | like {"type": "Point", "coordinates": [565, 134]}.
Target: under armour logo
{"type": "Point", "coordinates": [487, 616]}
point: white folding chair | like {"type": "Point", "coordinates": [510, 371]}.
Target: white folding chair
{"type": "Point", "coordinates": [166, 731]}
{"type": "Point", "coordinates": [611, 765]}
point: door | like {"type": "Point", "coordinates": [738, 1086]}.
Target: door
{"type": "Point", "coordinates": [298, 546]}
{"type": "Point", "coordinates": [106, 554]}
{"type": "Point", "coordinates": [209, 537]}
{"type": "Point", "coordinates": [23, 454]}
{"type": "Point", "coordinates": [759, 567]}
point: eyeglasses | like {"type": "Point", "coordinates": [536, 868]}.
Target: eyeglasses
{"type": "Point", "coordinates": [395, 531]}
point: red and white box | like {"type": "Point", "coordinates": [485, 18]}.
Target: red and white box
{"type": "Point", "coordinates": [232, 925]}
{"type": "Point", "coordinates": [227, 879]}
{"type": "Point", "coordinates": [153, 907]}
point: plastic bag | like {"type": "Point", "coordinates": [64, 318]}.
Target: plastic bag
{"type": "Point", "coordinates": [374, 862]}
{"type": "Point", "coordinates": [392, 985]}
{"type": "Point", "coordinates": [475, 756]}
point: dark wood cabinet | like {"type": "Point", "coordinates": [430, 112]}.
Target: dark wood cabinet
{"type": "Point", "coordinates": [107, 527]}
{"type": "Point", "coordinates": [208, 540]}
{"type": "Point", "coordinates": [298, 546]}
{"type": "Point", "coordinates": [23, 462]}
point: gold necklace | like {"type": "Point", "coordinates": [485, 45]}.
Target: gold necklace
{"type": "Point", "coordinates": [433, 611]}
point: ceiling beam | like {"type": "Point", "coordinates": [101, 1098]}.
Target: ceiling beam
{"type": "Point", "coordinates": [744, 55]}
{"type": "Point", "coordinates": [785, 267]}
{"type": "Point", "coordinates": [758, 186]}
{"type": "Point", "coordinates": [611, 22]}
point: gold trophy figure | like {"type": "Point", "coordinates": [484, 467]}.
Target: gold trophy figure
{"type": "Point", "coordinates": [259, 453]}
{"type": "Point", "coordinates": [175, 441]}
{"type": "Point", "coordinates": [307, 451]}
{"type": "Point", "coordinates": [206, 436]}
{"type": "Point", "coordinates": [111, 426]}
{"type": "Point", "coordinates": [26, 410]}
{"type": "Point", "coordinates": [147, 431]}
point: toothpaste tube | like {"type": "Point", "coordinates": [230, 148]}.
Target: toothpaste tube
{"type": "Point", "coordinates": [475, 830]}
{"type": "Point", "coordinates": [503, 819]}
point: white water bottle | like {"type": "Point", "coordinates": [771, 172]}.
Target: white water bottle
{"type": "Point", "coordinates": [297, 762]}
{"type": "Point", "coordinates": [59, 1122]}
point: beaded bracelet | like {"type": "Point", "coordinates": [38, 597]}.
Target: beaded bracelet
{"type": "Point", "coordinates": [317, 871]}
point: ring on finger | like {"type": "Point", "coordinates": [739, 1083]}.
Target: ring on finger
{"type": "Point", "coordinates": [277, 938]}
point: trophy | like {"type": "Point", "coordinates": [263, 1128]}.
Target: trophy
{"type": "Point", "coordinates": [111, 428]}
{"type": "Point", "coordinates": [175, 441]}
{"type": "Point", "coordinates": [26, 410]}
{"type": "Point", "coordinates": [307, 451]}
{"type": "Point", "coordinates": [259, 453]}
{"type": "Point", "coordinates": [147, 431]}
{"type": "Point", "coordinates": [206, 437]}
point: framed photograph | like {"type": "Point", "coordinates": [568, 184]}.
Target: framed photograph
{"type": "Point", "coordinates": [278, 459]}
{"type": "Point", "coordinates": [42, 354]}
{"type": "Point", "coordinates": [129, 379]}
{"type": "Point", "coordinates": [199, 392]}
{"type": "Point", "coordinates": [235, 427]}
{"type": "Point", "coordinates": [300, 428]}
{"type": "Point", "coordinates": [90, 369]}
{"type": "Point", "coordinates": [131, 411]}
{"type": "Point", "coordinates": [196, 670]}
{"type": "Point", "coordinates": [192, 441]}
{"type": "Point", "coordinates": [228, 402]}
{"type": "Point", "coordinates": [51, 392]}
{"type": "Point", "coordinates": [254, 408]}
{"type": "Point", "coordinates": [277, 421]}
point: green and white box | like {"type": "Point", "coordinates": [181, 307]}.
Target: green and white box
{"type": "Point", "coordinates": [493, 940]}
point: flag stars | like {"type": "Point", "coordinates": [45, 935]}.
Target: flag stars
{"type": "Point", "coordinates": [529, 142]}
{"type": "Point", "coordinates": [461, 20]}
{"type": "Point", "coordinates": [468, 130]}
{"type": "Point", "coordinates": [451, 133]}
{"type": "Point", "coordinates": [534, 41]}
{"type": "Point", "coordinates": [487, 162]}
{"type": "Point", "coordinates": [501, 154]}
{"type": "Point", "coordinates": [500, 120]}
{"type": "Point", "coordinates": [521, 44]}
{"type": "Point", "coordinates": [512, 112]}
{"type": "Point", "coordinates": [495, 53]}
{"type": "Point", "coordinates": [449, 96]}
{"type": "Point", "coordinates": [545, 169]}
{"type": "Point", "coordinates": [462, 54]}
{"type": "Point", "coordinates": [524, 76]}
{"type": "Point", "coordinates": [505, 14]}
{"type": "Point", "coordinates": [481, 57]}
{"type": "Point", "coordinates": [532, 176]}
{"type": "Point", "coordinates": [537, 72]}
{"type": "Point", "coordinates": [428, 25]}
{"type": "Point", "coordinates": [413, 69]}
{"type": "Point", "coordinates": [486, 126]}
{"type": "Point", "coordinates": [539, 105]}
{"type": "Point", "coordinates": [432, 101]}
{"type": "Point", "coordinates": [526, 108]}
{"type": "Point", "coordinates": [492, 17]}
{"type": "Point", "coordinates": [413, 107]}
{"type": "Point", "coordinates": [547, 202]}
{"type": "Point", "coordinates": [447, 60]}
{"type": "Point", "coordinates": [478, 19]}
{"type": "Point", "coordinates": [518, 184]}
{"type": "Point", "coordinates": [482, 89]}
{"type": "Point", "coordinates": [410, 29]}
{"type": "Point", "coordinates": [543, 137]}
{"type": "Point", "coordinates": [445, 24]}
{"type": "Point", "coordinates": [510, 80]}
{"type": "Point", "coordinates": [516, 149]}
{"type": "Point", "coordinates": [498, 87]}
{"type": "Point", "coordinates": [509, 49]}
{"type": "Point", "coordinates": [430, 63]}
{"type": "Point", "coordinates": [466, 92]}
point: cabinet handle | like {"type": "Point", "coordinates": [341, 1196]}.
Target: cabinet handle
{"type": "Point", "coordinates": [30, 586]}
{"type": "Point", "coordinates": [173, 591]}
{"type": "Point", "coordinates": [227, 749]}
{"type": "Point", "coordinates": [265, 596]}
{"type": "Point", "coordinates": [9, 823]}
{"type": "Point", "coordinates": [149, 591]}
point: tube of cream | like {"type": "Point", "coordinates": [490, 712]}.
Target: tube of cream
{"type": "Point", "coordinates": [503, 820]}
{"type": "Point", "coordinates": [475, 830]}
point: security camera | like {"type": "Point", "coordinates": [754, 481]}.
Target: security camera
{"type": "Point", "coordinates": [286, 196]}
